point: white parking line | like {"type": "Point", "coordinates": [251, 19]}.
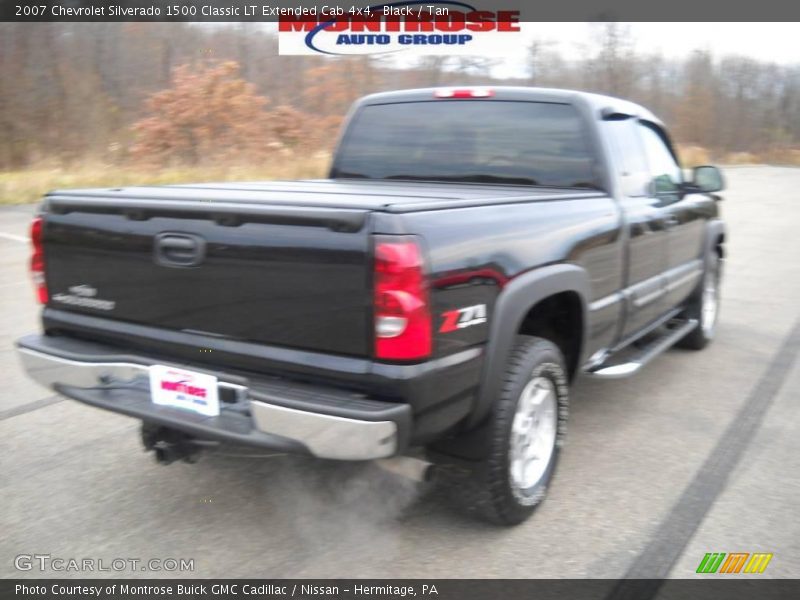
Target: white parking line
{"type": "Point", "coordinates": [15, 238]}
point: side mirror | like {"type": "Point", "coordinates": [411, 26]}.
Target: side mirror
{"type": "Point", "coordinates": [708, 179]}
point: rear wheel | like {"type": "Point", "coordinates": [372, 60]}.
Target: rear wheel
{"type": "Point", "coordinates": [526, 432]}
{"type": "Point", "coordinates": [704, 306]}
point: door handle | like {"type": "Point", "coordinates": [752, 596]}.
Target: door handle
{"type": "Point", "coordinates": [178, 249]}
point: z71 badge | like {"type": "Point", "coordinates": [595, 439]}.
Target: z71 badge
{"type": "Point", "coordinates": [463, 317]}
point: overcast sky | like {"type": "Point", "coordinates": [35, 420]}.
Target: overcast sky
{"type": "Point", "coordinates": [776, 42]}
{"type": "Point", "coordinates": [768, 41]}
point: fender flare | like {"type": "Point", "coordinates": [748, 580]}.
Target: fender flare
{"type": "Point", "coordinates": [513, 304]}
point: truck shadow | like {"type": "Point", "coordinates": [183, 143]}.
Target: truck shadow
{"type": "Point", "coordinates": [338, 499]}
{"type": "Point", "coordinates": [308, 491]}
{"type": "Point", "coordinates": [359, 502]}
{"type": "Point", "coordinates": [313, 518]}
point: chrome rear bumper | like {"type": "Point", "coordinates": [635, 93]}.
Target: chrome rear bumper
{"type": "Point", "coordinates": [281, 415]}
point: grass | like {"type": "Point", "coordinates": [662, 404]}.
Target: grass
{"type": "Point", "coordinates": [697, 155]}
{"type": "Point", "coordinates": [29, 185]}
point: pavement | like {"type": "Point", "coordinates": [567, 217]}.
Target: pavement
{"type": "Point", "coordinates": [697, 453]}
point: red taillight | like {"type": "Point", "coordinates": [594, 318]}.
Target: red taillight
{"type": "Point", "coordinates": [402, 315]}
{"type": "Point", "coordinates": [464, 93]}
{"type": "Point", "coordinates": [37, 260]}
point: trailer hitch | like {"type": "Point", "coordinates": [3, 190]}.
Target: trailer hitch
{"type": "Point", "coordinates": [169, 445]}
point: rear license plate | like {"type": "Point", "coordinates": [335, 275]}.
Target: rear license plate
{"type": "Point", "coordinates": [184, 389]}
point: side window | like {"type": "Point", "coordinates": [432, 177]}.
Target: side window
{"type": "Point", "coordinates": [629, 158]}
{"type": "Point", "coordinates": [664, 171]}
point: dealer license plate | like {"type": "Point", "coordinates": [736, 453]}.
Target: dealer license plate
{"type": "Point", "coordinates": [184, 389]}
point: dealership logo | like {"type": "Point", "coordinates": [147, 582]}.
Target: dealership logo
{"type": "Point", "coordinates": [734, 562]}
{"type": "Point", "coordinates": [419, 26]}
{"type": "Point", "coordinates": [185, 387]}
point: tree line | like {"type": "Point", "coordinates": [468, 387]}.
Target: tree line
{"type": "Point", "coordinates": [116, 92]}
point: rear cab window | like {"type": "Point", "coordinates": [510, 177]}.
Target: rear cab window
{"type": "Point", "coordinates": [483, 141]}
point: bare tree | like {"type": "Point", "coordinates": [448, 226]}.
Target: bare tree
{"type": "Point", "coordinates": [71, 91]}
{"type": "Point", "coordinates": [613, 67]}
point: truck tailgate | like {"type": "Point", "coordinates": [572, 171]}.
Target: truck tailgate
{"type": "Point", "coordinates": [294, 276]}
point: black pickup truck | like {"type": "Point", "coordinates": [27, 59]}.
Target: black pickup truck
{"type": "Point", "coordinates": [473, 251]}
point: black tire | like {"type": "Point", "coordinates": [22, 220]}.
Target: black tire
{"type": "Point", "coordinates": [491, 490]}
{"type": "Point", "coordinates": [698, 307]}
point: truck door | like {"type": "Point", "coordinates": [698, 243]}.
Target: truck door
{"type": "Point", "coordinates": [646, 250]}
{"type": "Point", "coordinates": [684, 217]}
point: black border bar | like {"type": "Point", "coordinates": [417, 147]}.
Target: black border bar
{"type": "Point", "coordinates": [262, 10]}
{"type": "Point", "coordinates": [746, 587]}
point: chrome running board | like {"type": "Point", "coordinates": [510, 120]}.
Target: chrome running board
{"type": "Point", "coordinates": [676, 330]}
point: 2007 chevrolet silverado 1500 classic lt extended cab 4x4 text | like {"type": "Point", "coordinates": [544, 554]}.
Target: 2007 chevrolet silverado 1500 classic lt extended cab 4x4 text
{"type": "Point", "coordinates": [473, 251]}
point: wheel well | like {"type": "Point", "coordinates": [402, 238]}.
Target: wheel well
{"type": "Point", "coordinates": [719, 245]}
{"type": "Point", "coordinates": [558, 318]}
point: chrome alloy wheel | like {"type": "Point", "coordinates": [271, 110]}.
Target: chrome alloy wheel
{"type": "Point", "coordinates": [533, 433]}
{"type": "Point", "coordinates": [710, 306]}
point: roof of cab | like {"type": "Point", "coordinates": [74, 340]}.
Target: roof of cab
{"type": "Point", "coordinates": [599, 104]}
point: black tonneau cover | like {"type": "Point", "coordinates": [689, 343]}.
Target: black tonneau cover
{"type": "Point", "coordinates": [371, 195]}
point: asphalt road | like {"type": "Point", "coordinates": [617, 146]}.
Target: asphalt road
{"type": "Point", "coordinates": [698, 453]}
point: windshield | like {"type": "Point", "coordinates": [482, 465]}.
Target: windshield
{"type": "Point", "coordinates": [529, 143]}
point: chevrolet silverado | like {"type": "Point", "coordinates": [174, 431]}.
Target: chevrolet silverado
{"type": "Point", "coordinates": [472, 252]}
